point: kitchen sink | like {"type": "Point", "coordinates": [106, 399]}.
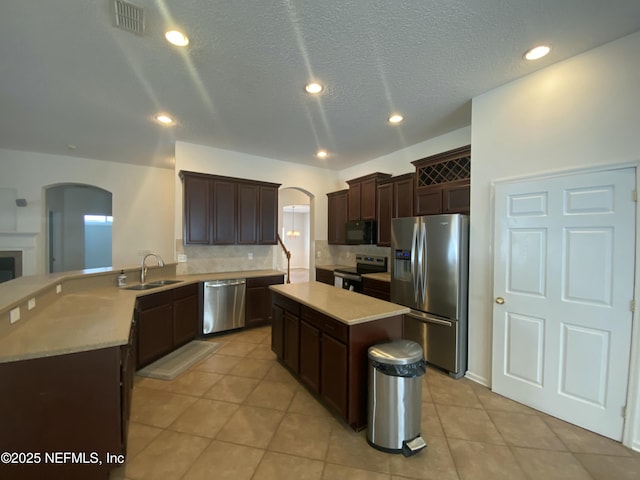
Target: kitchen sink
{"type": "Point", "coordinates": [164, 282]}
{"type": "Point", "coordinates": [150, 285]}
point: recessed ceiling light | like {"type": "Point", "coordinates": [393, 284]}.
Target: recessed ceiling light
{"type": "Point", "coordinates": [537, 52]}
{"type": "Point", "coordinates": [313, 88]}
{"type": "Point", "coordinates": [165, 119]}
{"type": "Point", "coordinates": [177, 38]}
{"type": "Point", "coordinates": [396, 118]}
{"type": "Point", "coordinates": [322, 154]}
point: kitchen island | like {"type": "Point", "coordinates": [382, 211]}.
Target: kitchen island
{"type": "Point", "coordinates": [322, 334]}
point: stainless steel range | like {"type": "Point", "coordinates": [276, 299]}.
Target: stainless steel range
{"type": "Point", "coordinates": [350, 278]}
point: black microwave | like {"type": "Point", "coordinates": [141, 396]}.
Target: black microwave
{"type": "Point", "coordinates": [362, 232]}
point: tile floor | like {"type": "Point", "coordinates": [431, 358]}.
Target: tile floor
{"type": "Point", "coordinates": [239, 414]}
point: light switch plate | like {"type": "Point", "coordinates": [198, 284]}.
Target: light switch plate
{"type": "Point", "coordinates": [182, 258]}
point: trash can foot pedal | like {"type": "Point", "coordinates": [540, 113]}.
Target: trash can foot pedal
{"type": "Point", "coordinates": [413, 446]}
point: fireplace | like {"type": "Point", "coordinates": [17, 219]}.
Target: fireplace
{"type": "Point", "coordinates": [10, 265]}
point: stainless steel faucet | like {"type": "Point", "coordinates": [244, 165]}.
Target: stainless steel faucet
{"type": "Point", "coordinates": [143, 269]}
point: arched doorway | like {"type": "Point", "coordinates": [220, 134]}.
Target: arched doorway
{"type": "Point", "coordinates": [79, 219]}
{"type": "Point", "coordinates": [296, 230]}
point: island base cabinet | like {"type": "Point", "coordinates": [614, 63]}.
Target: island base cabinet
{"type": "Point", "coordinates": [66, 403]}
{"type": "Point", "coordinates": [328, 356]}
{"type": "Point", "coordinates": [334, 383]}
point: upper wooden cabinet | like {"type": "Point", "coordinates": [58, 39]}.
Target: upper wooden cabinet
{"type": "Point", "coordinates": [443, 182]}
{"type": "Point", "coordinates": [395, 199]}
{"type": "Point", "coordinates": [226, 211]}
{"type": "Point", "coordinates": [338, 203]}
{"type": "Point", "coordinates": [362, 196]}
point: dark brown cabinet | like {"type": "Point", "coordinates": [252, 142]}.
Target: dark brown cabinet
{"type": "Point", "coordinates": [395, 199]}
{"type": "Point", "coordinates": [78, 402]}
{"type": "Point", "coordinates": [186, 311]}
{"type": "Point", "coordinates": [165, 321]}
{"type": "Point", "coordinates": [329, 357]}
{"type": "Point", "coordinates": [338, 203]}
{"type": "Point", "coordinates": [285, 331]}
{"type": "Point", "coordinates": [362, 196]}
{"type": "Point", "coordinates": [443, 182]}
{"type": "Point", "coordinates": [226, 211]}
{"type": "Point", "coordinates": [324, 276]}
{"type": "Point", "coordinates": [376, 288]}
{"type": "Point", "coordinates": [258, 300]}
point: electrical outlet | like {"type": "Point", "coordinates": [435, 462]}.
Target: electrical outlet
{"type": "Point", "coordinates": [182, 258]}
{"type": "Point", "coordinates": [58, 288]}
{"type": "Point", "coordinates": [318, 254]}
{"type": "Point", "coordinates": [14, 315]}
{"type": "Point", "coordinates": [31, 304]}
{"type": "Point", "coordinates": [250, 256]}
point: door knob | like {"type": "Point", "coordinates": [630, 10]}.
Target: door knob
{"type": "Point", "coordinates": [499, 300]}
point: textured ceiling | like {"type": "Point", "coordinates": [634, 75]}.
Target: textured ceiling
{"type": "Point", "coordinates": [69, 77]}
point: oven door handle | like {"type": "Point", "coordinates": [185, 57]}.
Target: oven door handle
{"type": "Point", "coordinates": [348, 276]}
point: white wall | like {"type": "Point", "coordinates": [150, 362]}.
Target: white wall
{"type": "Point", "coordinates": [399, 162]}
{"type": "Point", "coordinates": [583, 112]}
{"type": "Point", "coordinates": [142, 200]}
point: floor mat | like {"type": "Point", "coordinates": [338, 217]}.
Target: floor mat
{"type": "Point", "coordinates": [176, 362]}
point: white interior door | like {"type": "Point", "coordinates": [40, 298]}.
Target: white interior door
{"type": "Point", "coordinates": [563, 286]}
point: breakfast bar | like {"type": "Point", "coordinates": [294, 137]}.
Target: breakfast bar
{"type": "Point", "coordinates": [322, 334]}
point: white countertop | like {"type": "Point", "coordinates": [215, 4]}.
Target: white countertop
{"type": "Point", "coordinates": [343, 305]}
{"type": "Point", "coordinates": [78, 320]}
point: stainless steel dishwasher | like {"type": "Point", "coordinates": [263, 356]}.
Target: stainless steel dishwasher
{"type": "Point", "coordinates": [223, 305]}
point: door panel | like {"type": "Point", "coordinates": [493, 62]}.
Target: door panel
{"type": "Point", "coordinates": [563, 283]}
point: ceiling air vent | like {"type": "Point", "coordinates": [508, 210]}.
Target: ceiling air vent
{"type": "Point", "coordinates": [129, 17]}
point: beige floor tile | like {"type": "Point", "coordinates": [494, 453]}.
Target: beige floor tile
{"type": "Point", "coordinates": [139, 437]}
{"type": "Point", "coordinates": [447, 391]}
{"type": "Point", "coordinates": [277, 466]}
{"type": "Point", "coordinates": [278, 373]}
{"type": "Point", "coordinates": [303, 436]}
{"type": "Point", "coordinates": [493, 401]}
{"type": "Point", "coordinates": [194, 382]}
{"type": "Point", "coordinates": [167, 457]}
{"type": "Point", "coordinates": [232, 389]}
{"type": "Point", "coordinates": [468, 424]}
{"type": "Point", "coordinates": [306, 404]}
{"type": "Point", "coordinates": [255, 335]}
{"type": "Point", "coordinates": [205, 417]}
{"type": "Point", "coordinates": [523, 430]}
{"type": "Point", "coordinates": [263, 352]}
{"type": "Point", "coordinates": [351, 449]}
{"type": "Point", "coordinates": [430, 425]}
{"type": "Point", "coordinates": [217, 363]}
{"type": "Point", "coordinates": [158, 408]}
{"type": "Point", "coordinates": [606, 467]}
{"type": "Point", "coordinates": [252, 368]}
{"type": "Point", "coordinates": [484, 461]}
{"type": "Point", "coordinates": [340, 472]}
{"type": "Point", "coordinates": [431, 463]}
{"type": "Point", "coordinates": [236, 348]}
{"type": "Point", "coordinates": [251, 426]}
{"type": "Point", "coordinates": [550, 465]}
{"type": "Point", "coordinates": [579, 440]}
{"type": "Point", "coordinates": [274, 395]}
{"type": "Point", "coordinates": [225, 461]}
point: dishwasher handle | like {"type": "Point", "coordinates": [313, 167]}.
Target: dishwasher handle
{"type": "Point", "coordinates": [224, 284]}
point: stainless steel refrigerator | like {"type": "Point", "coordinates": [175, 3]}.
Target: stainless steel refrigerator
{"type": "Point", "coordinates": [429, 274]}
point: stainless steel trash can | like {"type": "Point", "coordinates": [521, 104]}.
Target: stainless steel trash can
{"type": "Point", "coordinates": [395, 397]}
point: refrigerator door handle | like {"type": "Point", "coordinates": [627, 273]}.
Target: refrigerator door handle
{"type": "Point", "coordinates": [415, 258]}
{"type": "Point", "coordinates": [428, 319]}
{"type": "Point", "coordinates": [423, 257]}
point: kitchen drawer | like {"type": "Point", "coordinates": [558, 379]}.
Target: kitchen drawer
{"type": "Point", "coordinates": [155, 299]}
{"type": "Point", "coordinates": [186, 291]}
{"type": "Point", "coordinates": [328, 325]}
{"type": "Point", "coordinates": [264, 281]}
{"type": "Point", "coordinates": [287, 304]}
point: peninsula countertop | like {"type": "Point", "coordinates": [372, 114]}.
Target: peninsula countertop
{"type": "Point", "coordinates": [343, 305]}
{"type": "Point", "coordinates": [93, 318]}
